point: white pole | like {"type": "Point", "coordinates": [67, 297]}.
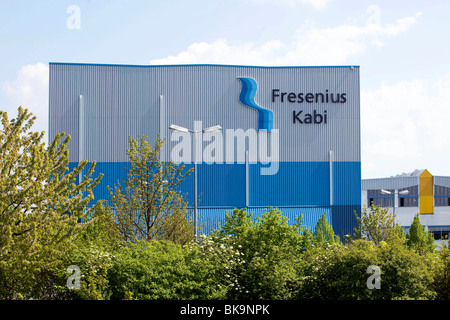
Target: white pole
{"type": "Point", "coordinates": [246, 180]}
{"type": "Point", "coordinates": [80, 134]}
{"type": "Point", "coordinates": [195, 187]}
{"type": "Point", "coordinates": [331, 177]}
{"type": "Point", "coordinates": [161, 127]}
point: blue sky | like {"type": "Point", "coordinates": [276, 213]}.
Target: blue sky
{"type": "Point", "coordinates": [401, 47]}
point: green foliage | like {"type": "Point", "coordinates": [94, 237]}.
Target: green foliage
{"type": "Point", "coordinates": [100, 229]}
{"type": "Point", "coordinates": [405, 274]}
{"type": "Point", "coordinates": [269, 247]}
{"type": "Point", "coordinates": [150, 207]}
{"type": "Point", "coordinates": [307, 241]}
{"type": "Point", "coordinates": [142, 247]}
{"type": "Point", "coordinates": [340, 272]}
{"type": "Point", "coordinates": [441, 283]}
{"type": "Point", "coordinates": [336, 272]}
{"type": "Point", "coordinates": [40, 204]}
{"type": "Point", "coordinates": [93, 251]}
{"type": "Point", "coordinates": [323, 233]}
{"type": "Point", "coordinates": [377, 225]}
{"type": "Point", "coordinates": [418, 238]}
{"type": "Point", "coordinates": [164, 270]}
{"type": "Point", "coordinates": [94, 263]}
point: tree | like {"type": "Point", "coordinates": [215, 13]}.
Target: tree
{"type": "Point", "coordinates": [441, 283]}
{"type": "Point", "coordinates": [101, 229]}
{"type": "Point", "coordinates": [269, 248]}
{"type": "Point", "coordinates": [150, 206]}
{"type": "Point", "coordinates": [418, 238]}
{"type": "Point", "coordinates": [40, 204]}
{"type": "Point", "coordinates": [323, 233]}
{"type": "Point", "coordinates": [92, 252]}
{"type": "Point", "coordinates": [307, 242]}
{"type": "Point", "coordinates": [377, 225]}
{"type": "Point", "coordinates": [341, 272]}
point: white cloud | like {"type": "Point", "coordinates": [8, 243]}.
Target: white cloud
{"type": "Point", "coordinates": [309, 45]}
{"type": "Point", "coordinates": [404, 126]}
{"type": "Point", "coordinates": [221, 52]}
{"type": "Point", "coordinates": [30, 90]}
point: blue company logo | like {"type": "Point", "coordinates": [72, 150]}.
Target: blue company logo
{"type": "Point", "coordinates": [247, 98]}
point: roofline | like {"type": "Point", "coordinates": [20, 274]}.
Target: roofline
{"type": "Point", "coordinates": [196, 65]}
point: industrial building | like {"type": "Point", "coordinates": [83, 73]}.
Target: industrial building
{"type": "Point", "coordinates": [289, 138]}
{"type": "Point", "coordinates": [407, 194]}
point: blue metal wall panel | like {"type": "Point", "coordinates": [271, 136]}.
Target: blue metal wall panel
{"type": "Point", "coordinates": [343, 219]}
{"type": "Point", "coordinates": [347, 183]}
{"type": "Point", "coordinates": [298, 188]}
{"type": "Point", "coordinates": [211, 218]}
{"type": "Point", "coordinates": [219, 185]}
{"type": "Point", "coordinates": [296, 183]}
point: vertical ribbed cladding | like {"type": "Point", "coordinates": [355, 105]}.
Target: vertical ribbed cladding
{"type": "Point", "coordinates": [63, 105]}
{"type": "Point", "coordinates": [119, 102]}
{"type": "Point", "coordinates": [312, 142]}
{"type": "Point", "coordinates": [442, 181]}
{"type": "Point", "coordinates": [389, 183]}
{"type": "Point", "coordinates": [120, 107]}
{"type": "Point", "coordinates": [122, 101]}
{"type": "Point", "coordinates": [212, 218]}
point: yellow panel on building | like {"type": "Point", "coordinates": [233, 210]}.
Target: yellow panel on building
{"type": "Point", "coordinates": [426, 187]}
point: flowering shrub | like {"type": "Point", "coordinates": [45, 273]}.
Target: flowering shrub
{"type": "Point", "coordinates": [340, 272]}
{"type": "Point", "coordinates": [164, 270]}
{"type": "Point", "coordinates": [223, 256]}
{"type": "Point", "coordinates": [93, 263]}
{"type": "Point", "coordinates": [269, 247]}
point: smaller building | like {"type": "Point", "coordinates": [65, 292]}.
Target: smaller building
{"type": "Point", "coordinates": [410, 193]}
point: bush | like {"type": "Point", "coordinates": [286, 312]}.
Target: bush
{"type": "Point", "coordinates": [269, 247]}
{"type": "Point", "coordinates": [94, 263]}
{"type": "Point", "coordinates": [163, 270]}
{"type": "Point", "coordinates": [340, 272]}
{"type": "Point", "coordinates": [441, 283]}
{"type": "Point", "coordinates": [405, 274]}
{"type": "Point", "coordinates": [336, 271]}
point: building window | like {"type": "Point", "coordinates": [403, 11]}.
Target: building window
{"type": "Point", "coordinates": [383, 202]}
{"type": "Point", "coordinates": [440, 233]}
{"type": "Point", "coordinates": [412, 191]}
{"type": "Point", "coordinates": [411, 199]}
{"type": "Point", "coordinates": [441, 196]}
{"type": "Point", "coordinates": [441, 201]}
{"type": "Point", "coordinates": [408, 201]}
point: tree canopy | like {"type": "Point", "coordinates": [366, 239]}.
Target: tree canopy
{"type": "Point", "coordinates": [40, 201]}
{"type": "Point", "coordinates": [377, 224]}
{"type": "Point", "coordinates": [150, 206]}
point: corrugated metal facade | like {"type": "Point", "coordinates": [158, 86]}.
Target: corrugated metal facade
{"type": "Point", "coordinates": [393, 183]}
{"type": "Point", "coordinates": [122, 101]}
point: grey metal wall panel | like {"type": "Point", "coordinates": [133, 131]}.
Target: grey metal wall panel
{"type": "Point", "coordinates": [389, 183]}
{"type": "Point", "coordinates": [442, 181]}
{"type": "Point", "coordinates": [122, 101]}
